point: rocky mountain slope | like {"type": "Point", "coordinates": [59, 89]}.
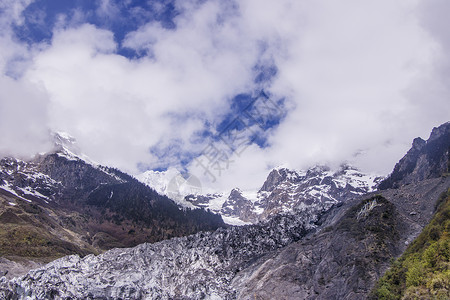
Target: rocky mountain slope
{"type": "Point", "coordinates": [422, 272]}
{"type": "Point", "coordinates": [283, 191]}
{"type": "Point", "coordinates": [333, 255]}
{"type": "Point", "coordinates": [349, 254]}
{"type": "Point", "coordinates": [193, 267]}
{"type": "Point", "coordinates": [425, 159]}
{"type": "Point", "coordinates": [354, 245]}
{"type": "Point", "coordinates": [338, 253]}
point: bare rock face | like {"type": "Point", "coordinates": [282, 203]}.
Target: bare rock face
{"type": "Point", "coordinates": [283, 191]}
{"type": "Point", "coordinates": [277, 176]}
{"type": "Point", "coordinates": [200, 200]}
{"type": "Point", "coordinates": [237, 205]}
{"type": "Point", "coordinates": [425, 159]}
{"type": "Point", "coordinates": [349, 253]}
{"type": "Point", "coordinates": [287, 190]}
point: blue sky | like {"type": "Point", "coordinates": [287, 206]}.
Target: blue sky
{"type": "Point", "coordinates": [120, 17]}
{"type": "Point", "coordinates": [238, 86]}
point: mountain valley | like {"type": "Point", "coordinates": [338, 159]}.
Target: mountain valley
{"type": "Point", "coordinates": [310, 248]}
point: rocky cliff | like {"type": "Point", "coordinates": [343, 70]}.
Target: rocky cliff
{"type": "Point", "coordinates": [349, 253]}
{"type": "Point", "coordinates": [425, 159]}
{"type": "Point", "coordinates": [287, 190]}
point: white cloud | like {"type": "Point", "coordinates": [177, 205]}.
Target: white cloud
{"type": "Point", "coordinates": [358, 77]}
{"type": "Point", "coordinates": [23, 114]}
{"type": "Point", "coordinates": [11, 11]}
{"type": "Point", "coordinates": [348, 71]}
{"type": "Point", "coordinates": [107, 9]}
{"type": "Point", "coordinates": [23, 119]}
{"type": "Point", "coordinates": [118, 108]}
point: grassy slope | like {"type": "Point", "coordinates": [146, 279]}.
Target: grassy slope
{"type": "Point", "coordinates": [423, 270]}
{"type": "Point", "coordinates": [29, 231]}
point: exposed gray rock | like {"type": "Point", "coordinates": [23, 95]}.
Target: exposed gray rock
{"type": "Point", "coordinates": [424, 160]}
{"type": "Point", "coordinates": [193, 267]}
{"type": "Point", "coordinates": [342, 260]}
{"type": "Point", "coordinates": [10, 269]}
{"type": "Point", "coordinates": [345, 258]}
{"type": "Point", "coordinates": [201, 200]}
{"type": "Point", "coordinates": [285, 190]}
{"type": "Point", "coordinates": [239, 206]}
{"type": "Point", "coordinates": [282, 191]}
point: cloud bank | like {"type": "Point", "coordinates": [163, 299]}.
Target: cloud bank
{"type": "Point", "coordinates": [358, 81]}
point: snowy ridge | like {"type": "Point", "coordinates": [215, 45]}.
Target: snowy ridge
{"type": "Point", "coordinates": [67, 148]}
{"type": "Point", "coordinates": [158, 180]}
{"type": "Point", "coordinates": [173, 184]}
{"type": "Point", "coordinates": [283, 191]}
{"type": "Point", "coordinates": [25, 180]}
{"type": "Point", "coordinates": [33, 183]}
{"type": "Point", "coordinates": [286, 190]}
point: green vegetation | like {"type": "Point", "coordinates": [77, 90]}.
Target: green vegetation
{"type": "Point", "coordinates": [33, 242]}
{"type": "Point", "coordinates": [28, 230]}
{"type": "Point", "coordinates": [423, 270]}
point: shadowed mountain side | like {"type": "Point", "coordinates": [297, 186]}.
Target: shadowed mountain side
{"type": "Point", "coordinates": [351, 251]}
{"type": "Point", "coordinates": [58, 205]}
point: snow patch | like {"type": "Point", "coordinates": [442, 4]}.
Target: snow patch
{"type": "Point", "coordinates": [234, 221]}
{"type": "Point", "coordinates": [7, 188]}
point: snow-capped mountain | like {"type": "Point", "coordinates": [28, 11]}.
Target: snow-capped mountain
{"type": "Point", "coordinates": [61, 203]}
{"type": "Point", "coordinates": [67, 147]}
{"type": "Point", "coordinates": [337, 253]}
{"type": "Point", "coordinates": [159, 180]}
{"type": "Point", "coordinates": [286, 190]}
{"type": "Point", "coordinates": [172, 184]}
{"type": "Point", "coordinates": [30, 180]}
{"type": "Point", "coordinates": [283, 191]}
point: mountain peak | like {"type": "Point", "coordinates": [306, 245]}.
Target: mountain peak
{"type": "Point", "coordinates": [66, 146]}
{"type": "Point", "coordinates": [440, 131]}
{"type": "Point", "coordinates": [425, 159]}
{"type": "Point", "coordinates": [278, 175]}
{"type": "Point", "coordinates": [317, 170]}
{"type": "Point", "coordinates": [418, 144]}
{"type": "Point", "coordinates": [63, 138]}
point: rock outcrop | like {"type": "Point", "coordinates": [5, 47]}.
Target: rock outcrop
{"type": "Point", "coordinates": [425, 159]}
{"type": "Point", "coordinates": [350, 252]}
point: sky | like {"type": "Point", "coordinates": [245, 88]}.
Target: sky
{"type": "Point", "coordinates": [224, 90]}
